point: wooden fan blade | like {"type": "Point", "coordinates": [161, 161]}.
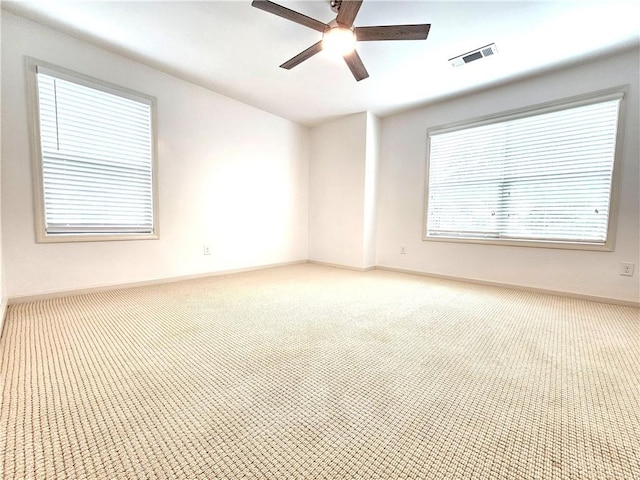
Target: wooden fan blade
{"type": "Point", "coordinates": [356, 66]}
{"type": "Point", "coordinates": [289, 14]}
{"type": "Point", "coordinates": [302, 56]}
{"type": "Point", "coordinates": [348, 11]}
{"type": "Point", "coordinates": [393, 32]}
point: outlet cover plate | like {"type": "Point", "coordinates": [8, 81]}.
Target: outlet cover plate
{"type": "Point", "coordinates": [627, 269]}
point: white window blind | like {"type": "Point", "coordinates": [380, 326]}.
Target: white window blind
{"type": "Point", "coordinates": [97, 165]}
{"type": "Point", "coordinates": [542, 177]}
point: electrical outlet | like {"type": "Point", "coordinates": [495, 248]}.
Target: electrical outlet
{"type": "Point", "coordinates": [627, 269]}
{"type": "Point", "coordinates": [206, 250]}
{"type": "Point", "coordinates": [403, 250]}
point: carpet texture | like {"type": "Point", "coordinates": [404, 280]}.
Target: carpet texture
{"type": "Point", "coordinates": [311, 372]}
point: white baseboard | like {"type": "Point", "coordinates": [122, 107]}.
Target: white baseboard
{"type": "Point", "coordinates": [558, 293]}
{"type": "Point", "coordinates": [337, 265]}
{"type": "Point", "coordinates": [3, 312]}
{"type": "Point", "coordinates": [102, 288]}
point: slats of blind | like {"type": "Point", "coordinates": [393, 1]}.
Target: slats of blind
{"type": "Point", "coordinates": [96, 160]}
{"type": "Point", "coordinates": [544, 177]}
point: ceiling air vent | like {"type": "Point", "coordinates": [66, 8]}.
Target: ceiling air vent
{"type": "Point", "coordinates": [474, 55]}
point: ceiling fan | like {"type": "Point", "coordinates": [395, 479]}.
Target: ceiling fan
{"type": "Point", "coordinates": [341, 35]}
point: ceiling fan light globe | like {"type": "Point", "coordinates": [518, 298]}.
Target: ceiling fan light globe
{"type": "Point", "coordinates": [339, 40]}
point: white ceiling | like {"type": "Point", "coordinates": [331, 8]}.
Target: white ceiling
{"type": "Point", "coordinates": [235, 49]}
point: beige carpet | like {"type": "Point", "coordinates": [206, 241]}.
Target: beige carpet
{"type": "Point", "coordinates": [309, 372]}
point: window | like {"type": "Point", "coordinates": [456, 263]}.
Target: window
{"type": "Point", "coordinates": [542, 177]}
{"type": "Point", "coordinates": [95, 167]}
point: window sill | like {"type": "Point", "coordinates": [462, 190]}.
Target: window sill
{"type": "Point", "coordinates": [607, 247]}
{"type": "Point", "coordinates": [81, 237]}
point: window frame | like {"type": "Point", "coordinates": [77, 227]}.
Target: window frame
{"type": "Point", "coordinates": [31, 66]}
{"type": "Point", "coordinates": [619, 92]}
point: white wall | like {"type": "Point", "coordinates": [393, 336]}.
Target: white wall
{"type": "Point", "coordinates": [230, 176]}
{"type": "Point", "coordinates": [336, 191]}
{"type": "Point", "coordinates": [342, 191]}
{"type": "Point", "coordinates": [402, 180]}
{"type": "Point", "coordinates": [372, 164]}
{"type": "Point", "coordinates": [2, 291]}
